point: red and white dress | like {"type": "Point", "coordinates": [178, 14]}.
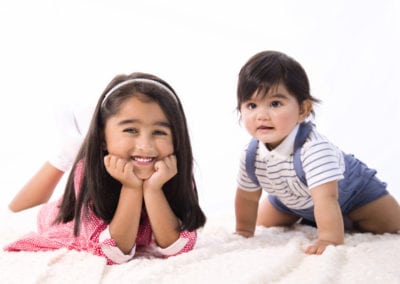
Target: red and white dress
{"type": "Point", "coordinates": [94, 236]}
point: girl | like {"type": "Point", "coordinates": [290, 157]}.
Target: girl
{"type": "Point", "coordinates": [131, 185]}
{"type": "Point", "coordinates": [274, 102]}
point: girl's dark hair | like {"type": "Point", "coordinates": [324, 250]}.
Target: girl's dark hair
{"type": "Point", "coordinates": [99, 191]}
{"type": "Point", "coordinates": [267, 69]}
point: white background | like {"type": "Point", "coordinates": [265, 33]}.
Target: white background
{"type": "Point", "coordinates": [60, 52]}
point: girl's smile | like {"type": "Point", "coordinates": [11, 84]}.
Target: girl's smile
{"type": "Point", "coordinates": [143, 160]}
{"type": "Point", "coordinates": [139, 132]}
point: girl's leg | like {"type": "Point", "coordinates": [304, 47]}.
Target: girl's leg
{"type": "Point", "coordinates": [69, 123]}
{"type": "Point", "coordinates": [379, 216]}
{"type": "Point", "coordinates": [38, 189]}
{"type": "Point", "coordinates": [72, 126]}
{"type": "Point", "coordinates": [269, 216]}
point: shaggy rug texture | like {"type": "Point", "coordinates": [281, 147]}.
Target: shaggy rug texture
{"type": "Point", "coordinates": [274, 255]}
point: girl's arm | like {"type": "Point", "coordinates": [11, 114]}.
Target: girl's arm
{"type": "Point", "coordinates": [38, 189]}
{"type": "Point", "coordinates": [124, 225]}
{"type": "Point", "coordinates": [328, 217]}
{"type": "Point", "coordinates": [246, 207]}
{"type": "Point", "coordinates": [164, 223]}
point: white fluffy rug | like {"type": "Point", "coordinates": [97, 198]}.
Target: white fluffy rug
{"type": "Point", "coordinates": [274, 255]}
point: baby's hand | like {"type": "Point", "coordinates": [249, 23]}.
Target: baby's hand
{"type": "Point", "coordinates": [318, 247]}
{"type": "Point", "coordinates": [244, 234]}
{"type": "Point", "coordinates": [122, 170]}
{"type": "Point", "coordinates": [164, 170]}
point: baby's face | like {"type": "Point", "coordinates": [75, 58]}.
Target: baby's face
{"type": "Point", "coordinates": [271, 117]}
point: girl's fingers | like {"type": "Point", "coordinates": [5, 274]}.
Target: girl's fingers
{"type": "Point", "coordinates": [116, 164]}
{"type": "Point", "coordinates": [170, 163]}
{"type": "Point", "coordinates": [121, 170]}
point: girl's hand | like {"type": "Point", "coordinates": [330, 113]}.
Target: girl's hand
{"type": "Point", "coordinates": [318, 247]}
{"type": "Point", "coordinates": [122, 170]}
{"type": "Point", "coordinates": [164, 170]}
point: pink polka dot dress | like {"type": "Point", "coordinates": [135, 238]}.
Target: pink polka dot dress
{"type": "Point", "coordinates": [94, 236]}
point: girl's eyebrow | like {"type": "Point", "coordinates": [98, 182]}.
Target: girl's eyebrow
{"type": "Point", "coordinates": [133, 121]}
{"type": "Point", "coordinates": [163, 124]}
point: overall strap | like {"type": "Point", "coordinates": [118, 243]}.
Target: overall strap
{"type": "Point", "coordinates": [301, 137]}
{"type": "Point", "coordinates": [251, 161]}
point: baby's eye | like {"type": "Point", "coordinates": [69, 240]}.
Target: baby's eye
{"type": "Point", "coordinates": [251, 105]}
{"type": "Point", "coordinates": [276, 104]}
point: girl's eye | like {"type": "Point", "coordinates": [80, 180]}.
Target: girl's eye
{"type": "Point", "coordinates": [276, 104]}
{"type": "Point", "coordinates": [160, 132]}
{"type": "Point", "coordinates": [131, 130]}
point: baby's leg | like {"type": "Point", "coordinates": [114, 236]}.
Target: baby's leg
{"type": "Point", "coordinates": [379, 216]}
{"type": "Point", "coordinates": [269, 216]}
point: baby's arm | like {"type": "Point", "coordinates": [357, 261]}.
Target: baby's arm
{"type": "Point", "coordinates": [328, 217]}
{"type": "Point", "coordinates": [246, 207]}
{"type": "Point", "coordinates": [38, 189]}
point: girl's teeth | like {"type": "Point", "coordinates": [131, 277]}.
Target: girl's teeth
{"type": "Point", "coordinates": [143, 160]}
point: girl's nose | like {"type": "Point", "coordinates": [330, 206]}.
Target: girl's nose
{"type": "Point", "coordinates": [140, 147]}
{"type": "Point", "coordinates": [143, 143]}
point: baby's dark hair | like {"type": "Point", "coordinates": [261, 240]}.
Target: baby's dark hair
{"type": "Point", "coordinates": [99, 191]}
{"type": "Point", "coordinates": [267, 69]}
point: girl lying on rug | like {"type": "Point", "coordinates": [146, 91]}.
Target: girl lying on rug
{"type": "Point", "coordinates": [304, 174]}
{"type": "Point", "coordinates": [131, 185]}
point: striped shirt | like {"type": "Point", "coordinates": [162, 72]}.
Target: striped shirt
{"type": "Point", "coordinates": [321, 160]}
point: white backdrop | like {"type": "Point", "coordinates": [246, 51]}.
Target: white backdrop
{"type": "Point", "coordinates": [60, 52]}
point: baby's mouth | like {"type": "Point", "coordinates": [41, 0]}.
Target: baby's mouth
{"type": "Point", "coordinates": [262, 127]}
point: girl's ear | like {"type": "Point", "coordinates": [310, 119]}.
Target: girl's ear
{"type": "Point", "coordinates": [305, 109]}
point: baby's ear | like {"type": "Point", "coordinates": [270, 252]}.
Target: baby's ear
{"type": "Point", "coordinates": [305, 109]}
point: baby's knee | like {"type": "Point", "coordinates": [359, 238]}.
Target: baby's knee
{"type": "Point", "coordinates": [378, 227]}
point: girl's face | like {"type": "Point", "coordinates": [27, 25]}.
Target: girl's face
{"type": "Point", "coordinates": [141, 133]}
{"type": "Point", "coordinates": [272, 117]}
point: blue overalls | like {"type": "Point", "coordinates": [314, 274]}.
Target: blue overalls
{"type": "Point", "coordinates": [358, 187]}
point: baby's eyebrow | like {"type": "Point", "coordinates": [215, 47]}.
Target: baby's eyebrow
{"type": "Point", "coordinates": [279, 96]}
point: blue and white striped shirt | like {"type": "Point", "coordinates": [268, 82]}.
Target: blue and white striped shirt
{"type": "Point", "coordinates": [321, 160]}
